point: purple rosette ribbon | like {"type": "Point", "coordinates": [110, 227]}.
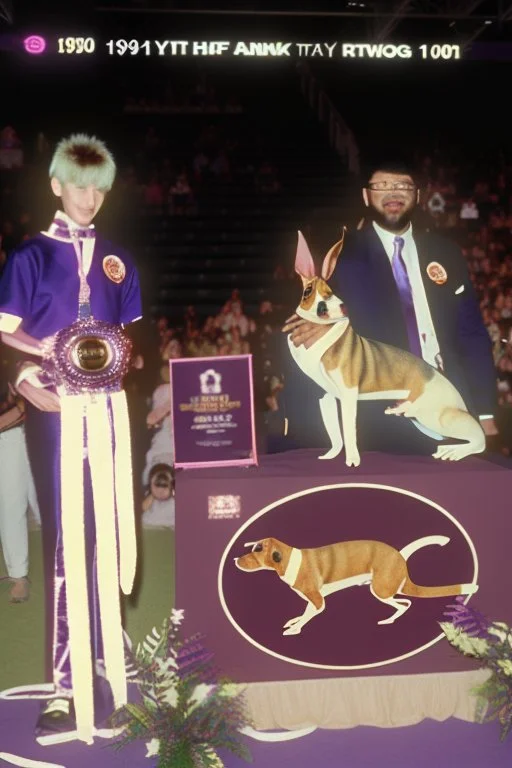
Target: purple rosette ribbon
{"type": "Point", "coordinates": [88, 356]}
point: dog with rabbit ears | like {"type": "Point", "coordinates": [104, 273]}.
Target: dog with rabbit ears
{"type": "Point", "coordinates": [350, 368]}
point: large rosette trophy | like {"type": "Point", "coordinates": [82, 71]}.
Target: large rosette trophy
{"type": "Point", "coordinates": [88, 356]}
{"type": "Point", "coordinates": [87, 362]}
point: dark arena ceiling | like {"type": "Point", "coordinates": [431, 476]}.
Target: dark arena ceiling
{"type": "Point", "coordinates": [450, 21]}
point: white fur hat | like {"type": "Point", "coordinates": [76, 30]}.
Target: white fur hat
{"type": "Point", "coordinates": [83, 160]}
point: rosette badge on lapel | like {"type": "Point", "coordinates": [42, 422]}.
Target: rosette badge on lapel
{"type": "Point", "coordinates": [88, 356]}
{"type": "Point", "coordinates": [437, 273]}
{"type": "Point", "coordinates": [114, 269]}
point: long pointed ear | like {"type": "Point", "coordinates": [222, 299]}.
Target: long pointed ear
{"type": "Point", "coordinates": [332, 257]}
{"type": "Point", "coordinates": [304, 264]}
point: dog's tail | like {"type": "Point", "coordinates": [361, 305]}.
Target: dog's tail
{"type": "Point", "coordinates": [410, 589]}
{"type": "Point", "coordinates": [426, 541]}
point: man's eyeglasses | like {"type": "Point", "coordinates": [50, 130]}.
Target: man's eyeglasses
{"type": "Point", "coordinates": [385, 186]}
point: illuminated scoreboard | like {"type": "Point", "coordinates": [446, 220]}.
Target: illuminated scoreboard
{"type": "Point", "coordinates": [346, 51]}
{"type": "Point", "coordinates": [88, 46]}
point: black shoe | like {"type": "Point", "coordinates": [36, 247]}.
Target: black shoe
{"type": "Point", "coordinates": [57, 716]}
{"type": "Point", "coordinates": [103, 702]}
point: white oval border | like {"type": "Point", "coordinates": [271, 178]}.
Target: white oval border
{"type": "Point", "coordinates": [307, 492]}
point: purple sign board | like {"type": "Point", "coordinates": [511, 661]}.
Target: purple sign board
{"type": "Point", "coordinates": [213, 411]}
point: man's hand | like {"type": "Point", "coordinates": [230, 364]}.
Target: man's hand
{"type": "Point", "coordinates": [42, 399]}
{"type": "Point", "coordinates": [303, 331]}
{"type": "Point", "coordinates": [13, 416]}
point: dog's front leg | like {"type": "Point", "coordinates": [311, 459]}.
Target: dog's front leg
{"type": "Point", "coordinates": [349, 419]}
{"type": "Point", "coordinates": [329, 411]}
{"type": "Point", "coordinates": [316, 604]}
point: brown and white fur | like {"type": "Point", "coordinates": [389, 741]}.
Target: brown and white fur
{"type": "Point", "coordinates": [351, 368]}
{"type": "Point", "coordinates": [315, 573]}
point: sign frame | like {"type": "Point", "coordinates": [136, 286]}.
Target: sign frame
{"type": "Point", "coordinates": [252, 459]}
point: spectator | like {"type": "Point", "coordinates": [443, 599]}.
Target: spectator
{"type": "Point", "coordinates": [267, 180]}
{"type": "Point", "coordinates": [154, 192]}
{"type": "Point", "coordinates": [200, 165]}
{"type": "Point", "coordinates": [173, 349]}
{"type": "Point", "coordinates": [161, 450]}
{"type": "Point", "coordinates": [181, 197]}
{"type": "Point", "coordinates": [17, 491]}
{"type": "Point", "coordinates": [220, 166]}
{"type": "Point", "coordinates": [11, 149]}
{"type": "Point", "coordinates": [237, 345]}
{"type": "Point", "coordinates": [158, 506]}
{"type": "Point", "coordinates": [235, 316]}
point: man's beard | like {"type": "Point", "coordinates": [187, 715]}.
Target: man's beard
{"type": "Point", "coordinates": [391, 222]}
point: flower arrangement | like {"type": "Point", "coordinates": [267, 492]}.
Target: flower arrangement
{"type": "Point", "coordinates": [185, 713]}
{"type": "Point", "coordinates": [474, 635]}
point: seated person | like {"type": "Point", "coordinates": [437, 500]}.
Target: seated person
{"type": "Point", "coordinates": [158, 505]}
{"type": "Point", "coordinates": [161, 450]}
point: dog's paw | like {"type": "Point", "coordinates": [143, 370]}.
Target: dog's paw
{"type": "Point", "coordinates": [391, 620]}
{"type": "Point", "coordinates": [353, 460]}
{"type": "Point", "coordinates": [295, 629]}
{"type": "Point", "coordinates": [291, 622]}
{"type": "Point", "coordinates": [332, 453]}
{"type": "Point", "coordinates": [391, 412]}
{"type": "Point", "coordinates": [400, 409]}
{"type": "Point", "coordinates": [453, 452]}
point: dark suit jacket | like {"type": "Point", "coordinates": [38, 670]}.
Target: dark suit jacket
{"type": "Point", "coordinates": [364, 280]}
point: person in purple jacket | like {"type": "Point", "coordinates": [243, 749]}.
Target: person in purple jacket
{"type": "Point", "coordinates": [78, 440]}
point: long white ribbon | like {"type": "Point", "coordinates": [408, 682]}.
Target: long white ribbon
{"type": "Point", "coordinates": [111, 479]}
{"type": "Point", "coordinates": [124, 491]}
{"type": "Point", "coordinates": [101, 461]}
{"type": "Point", "coordinates": [75, 568]}
{"type": "Point", "coordinates": [275, 736]}
{"type": "Point", "coordinates": [43, 691]}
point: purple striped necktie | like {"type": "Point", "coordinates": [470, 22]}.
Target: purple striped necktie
{"type": "Point", "coordinates": [406, 300]}
{"type": "Point", "coordinates": [61, 229]}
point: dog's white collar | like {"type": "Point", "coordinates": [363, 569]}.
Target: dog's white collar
{"type": "Point", "coordinates": [293, 567]}
{"type": "Point", "coordinates": [305, 315]}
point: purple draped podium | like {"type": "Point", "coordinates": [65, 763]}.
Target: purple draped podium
{"type": "Point", "coordinates": [297, 499]}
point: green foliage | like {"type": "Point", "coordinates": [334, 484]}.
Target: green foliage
{"type": "Point", "coordinates": [491, 643]}
{"type": "Point", "coordinates": [186, 713]}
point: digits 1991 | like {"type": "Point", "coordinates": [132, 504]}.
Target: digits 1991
{"type": "Point", "coordinates": [130, 47]}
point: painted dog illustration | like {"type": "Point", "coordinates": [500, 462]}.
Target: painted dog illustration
{"type": "Point", "coordinates": [316, 573]}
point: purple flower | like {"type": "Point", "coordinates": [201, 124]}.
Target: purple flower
{"type": "Point", "coordinates": [468, 619]}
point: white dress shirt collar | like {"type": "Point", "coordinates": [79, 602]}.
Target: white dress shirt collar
{"type": "Point", "coordinates": [72, 225]}
{"type": "Point", "coordinates": [84, 247]}
{"type": "Point", "coordinates": [69, 221]}
{"type": "Point", "coordinates": [388, 238]}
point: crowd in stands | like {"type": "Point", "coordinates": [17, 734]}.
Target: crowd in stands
{"type": "Point", "coordinates": [185, 96]}
{"type": "Point", "coordinates": [475, 209]}
{"type": "Point", "coordinates": [167, 182]}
